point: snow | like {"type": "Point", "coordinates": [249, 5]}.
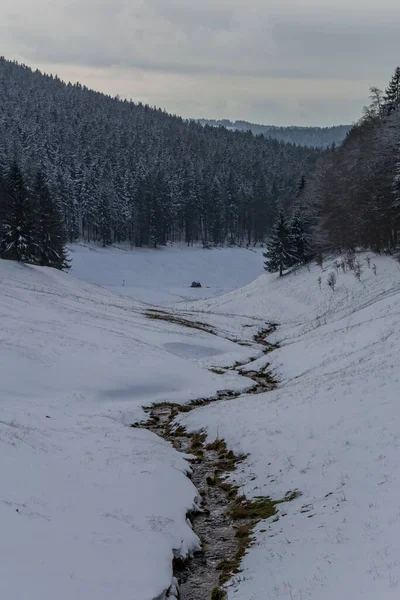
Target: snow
{"type": "Point", "coordinates": [330, 430]}
{"type": "Point", "coordinates": [164, 275]}
{"type": "Point", "coordinates": [89, 507]}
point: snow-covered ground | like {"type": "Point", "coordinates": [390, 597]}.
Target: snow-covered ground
{"type": "Point", "coordinates": [164, 275]}
{"type": "Point", "coordinates": [93, 509]}
{"type": "Point", "coordinates": [90, 508]}
{"type": "Point", "coordinates": [331, 430]}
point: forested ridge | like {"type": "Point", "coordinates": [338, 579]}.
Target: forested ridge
{"type": "Point", "coordinates": [356, 187]}
{"type": "Point", "coordinates": [107, 170]}
{"type": "Point", "coordinates": [351, 198]}
{"type": "Point", "coordinates": [124, 171]}
{"type": "Point", "coordinates": [316, 137]}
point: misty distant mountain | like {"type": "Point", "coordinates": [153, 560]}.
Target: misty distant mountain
{"type": "Point", "coordinates": [317, 137]}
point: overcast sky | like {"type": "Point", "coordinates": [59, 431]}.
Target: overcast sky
{"type": "Point", "coordinates": [268, 61]}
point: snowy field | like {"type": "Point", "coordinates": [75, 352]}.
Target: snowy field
{"type": "Point", "coordinates": [93, 509]}
{"type": "Point", "coordinates": [90, 508]}
{"type": "Point", "coordinates": [331, 430]}
{"type": "Point", "coordinates": [164, 275]}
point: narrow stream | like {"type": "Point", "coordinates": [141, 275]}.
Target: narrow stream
{"type": "Point", "coordinates": [226, 521]}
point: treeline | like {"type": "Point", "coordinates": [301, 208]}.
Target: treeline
{"type": "Point", "coordinates": [358, 185]}
{"type": "Point", "coordinates": [315, 137]}
{"type": "Point", "coordinates": [31, 228]}
{"type": "Point", "coordinates": [120, 171]}
{"type": "Point", "coordinates": [351, 199]}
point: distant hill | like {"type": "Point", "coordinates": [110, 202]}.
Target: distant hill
{"type": "Point", "coordinates": [316, 137]}
{"type": "Point", "coordinates": [124, 171]}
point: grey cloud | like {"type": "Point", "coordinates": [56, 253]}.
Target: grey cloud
{"type": "Point", "coordinates": [228, 38]}
{"type": "Point", "coordinates": [203, 15]}
{"type": "Point", "coordinates": [341, 50]}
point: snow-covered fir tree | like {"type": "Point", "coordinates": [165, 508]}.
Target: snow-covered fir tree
{"type": "Point", "coordinates": [299, 243]}
{"type": "Point", "coordinates": [301, 186]}
{"type": "Point", "coordinates": [392, 93]}
{"type": "Point", "coordinates": [280, 253]}
{"type": "Point", "coordinates": [124, 171]}
{"type": "Point", "coordinates": [17, 219]}
{"type": "Point", "coordinates": [31, 227]}
{"type": "Point", "coordinates": [49, 233]}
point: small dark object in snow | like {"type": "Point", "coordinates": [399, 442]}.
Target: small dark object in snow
{"type": "Point", "coordinates": [47, 417]}
{"type": "Point", "coordinates": [196, 284]}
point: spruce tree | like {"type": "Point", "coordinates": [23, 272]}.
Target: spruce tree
{"type": "Point", "coordinates": [49, 232]}
{"type": "Point", "coordinates": [301, 185]}
{"type": "Point", "coordinates": [17, 240]}
{"type": "Point", "coordinates": [279, 254]}
{"type": "Point", "coordinates": [105, 159]}
{"type": "Point", "coordinates": [299, 243]}
{"type": "Point", "coordinates": [157, 213]}
{"type": "Point", "coordinates": [392, 93]}
{"type": "Point", "coordinates": [104, 218]}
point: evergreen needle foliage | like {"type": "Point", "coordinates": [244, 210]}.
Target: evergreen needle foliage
{"type": "Point", "coordinates": [49, 230]}
{"type": "Point", "coordinates": [280, 252]}
{"type": "Point", "coordinates": [31, 228]}
{"type": "Point", "coordinates": [17, 219]}
{"type": "Point", "coordinates": [124, 171]}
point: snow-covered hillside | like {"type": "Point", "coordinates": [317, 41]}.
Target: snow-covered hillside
{"type": "Point", "coordinates": [330, 430]}
{"type": "Point", "coordinates": [90, 508]}
{"type": "Point", "coordinates": [164, 275]}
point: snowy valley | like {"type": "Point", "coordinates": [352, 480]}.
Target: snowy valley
{"type": "Point", "coordinates": [92, 508]}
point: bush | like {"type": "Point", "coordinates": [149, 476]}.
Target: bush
{"type": "Point", "coordinates": [332, 280]}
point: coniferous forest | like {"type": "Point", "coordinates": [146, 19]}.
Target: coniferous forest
{"type": "Point", "coordinates": [315, 137]}
{"type": "Point", "coordinates": [120, 171]}
{"type": "Point", "coordinates": [31, 227]}
{"type": "Point", "coordinates": [77, 164]}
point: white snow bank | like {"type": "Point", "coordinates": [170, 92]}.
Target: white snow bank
{"type": "Point", "coordinates": [331, 430]}
{"type": "Point", "coordinates": [89, 508]}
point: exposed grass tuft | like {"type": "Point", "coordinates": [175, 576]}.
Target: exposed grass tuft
{"type": "Point", "coordinates": [243, 531]}
{"type": "Point", "coordinates": [259, 508]}
{"type": "Point", "coordinates": [198, 440]}
{"type": "Point", "coordinates": [217, 445]}
{"type": "Point", "coordinates": [180, 431]}
{"type": "Point", "coordinates": [218, 594]}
